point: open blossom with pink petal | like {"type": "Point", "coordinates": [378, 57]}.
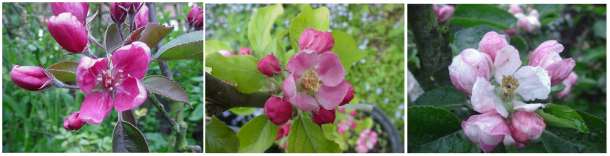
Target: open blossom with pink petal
{"type": "Point", "coordinates": [113, 84]}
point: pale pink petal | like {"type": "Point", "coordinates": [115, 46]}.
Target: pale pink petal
{"type": "Point", "coordinates": [132, 59]}
{"type": "Point", "coordinates": [560, 70]}
{"type": "Point", "coordinates": [568, 83]}
{"type": "Point", "coordinates": [289, 87]}
{"type": "Point", "coordinates": [301, 62]}
{"type": "Point", "coordinates": [506, 62]}
{"type": "Point", "coordinates": [95, 107]}
{"type": "Point", "coordinates": [542, 52]}
{"type": "Point", "coordinates": [534, 83]}
{"type": "Point", "coordinates": [492, 43]}
{"type": "Point", "coordinates": [484, 98]}
{"type": "Point", "coordinates": [330, 70]}
{"type": "Point", "coordinates": [330, 97]}
{"type": "Point", "coordinates": [531, 107]}
{"type": "Point", "coordinates": [305, 102]}
{"type": "Point", "coordinates": [87, 72]}
{"type": "Point", "coordinates": [129, 94]}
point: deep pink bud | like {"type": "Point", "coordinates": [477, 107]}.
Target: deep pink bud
{"type": "Point", "coordinates": [141, 18]}
{"type": "Point", "coordinates": [349, 96]}
{"type": "Point", "coordinates": [245, 51]}
{"type": "Point", "coordinates": [526, 126]}
{"type": "Point", "coordinates": [546, 55]}
{"type": "Point", "coordinates": [568, 83]}
{"type": "Point", "coordinates": [195, 17]}
{"type": "Point", "coordinates": [312, 40]}
{"type": "Point", "coordinates": [69, 33]}
{"type": "Point", "coordinates": [492, 43]}
{"type": "Point", "coordinates": [282, 131]}
{"type": "Point", "coordinates": [73, 122]}
{"type": "Point", "coordinates": [278, 110]}
{"type": "Point", "coordinates": [443, 12]}
{"type": "Point", "coordinates": [30, 77]}
{"type": "Point", "coordinates": [269, 65]}
{"type": "Point", "coordinates": [78, 9]}
{"type": "Point", "coordinates": [466, 67]}
{"type": "Point", "coordinates": [117, 12]}
{"type": "Point", "coordinates": [323, 116]}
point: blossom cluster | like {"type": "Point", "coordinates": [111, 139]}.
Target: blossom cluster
{"type": "Point", "coordinates": [504, 92]}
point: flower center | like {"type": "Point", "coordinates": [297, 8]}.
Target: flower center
{"type": "Point", "coordinates": [509, 86]}
{"type": "Point", "coordinates": [109, 79]}
{"type": "Point", "coordinates": [310, 81]}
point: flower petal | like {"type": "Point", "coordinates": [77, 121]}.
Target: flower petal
{"type": "Point", "coordinates": [129, 95]}
{"type": "Point", "coordinates": [330, 97]}
{"type": "Point", "coordinates": [484, 98]}
{"type": "Point", "coordinates": [132, 59]}
{"type": "Point", "coordinates": [289, 87]}
{"type": "Point", "coordinates": [87, 71]}
{"type": "Point", "coordinates": [507, 61]}
{"type": "Point", "coordinates": [305, 102]}
{"type": "Point", "coordinates": [95, 107]}
{"type": "Point", "coordinates": [534, 83]}
{"type": "Point", "coordinates": [330, 70]}
{"type": "Point", "coordinates": [301, 62]}
{"type": "Point", "coordinates": [560, 70]}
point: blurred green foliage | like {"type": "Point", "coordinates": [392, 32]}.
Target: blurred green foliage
{"type": "Point", "coordinates": [378, 30]}
{"type": "Point", "coordinates": [33, 121]}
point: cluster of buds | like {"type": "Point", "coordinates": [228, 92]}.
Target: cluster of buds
{"type": "Point", "coordinates": [315, 81]}
{"type": "Point", "coordinates": [505, 115]}
{"type": "Point", "coordinates": [527, 22]}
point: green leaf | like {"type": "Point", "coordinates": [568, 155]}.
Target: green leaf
{"type": "Point", "coordinates": [429, 123]}
{"type": "Point", "coordinates": [307, 137]}
{"type": "Point", "coordinates": [219, 138]}
{"type": "Point", "coordinates": [259, 28]}
{"type": "Point", "coordinates": [64, 71]}
{"type": "Point", "coordinates": [213, 46]}
{"type": "Point", "coordinates": [243, 111]}
{"type": "Point", "coordinates": [197, 114]}
{"type": "Point", "coordinates": [151, 34]}
{"type": "Point", "coordinates": [455, 142]}
{"type": "Point", "coordinates": [469, 15]}
{"type": "Point", "coordinates": [239, 70]}
{"type": "Point", "coordinates": [555, 144]}
{"type": "Point", "coordinates": [112, 39]}
{"type": "Point", "coordinates": [468, 38]}
{"type": "Point", "coordinates": [346, 49]}
{"type": "Point", "coordinates": [450, 96]}
{"type": "Point", "coordinates": [128, 138]}
{"type": "Point", "coordinates": [599, 28]}
{"type": "Point", "coordinates": [257, 135]}
{"type": "Point", "coordinates": [563, 116]}
{"type": "Point", "coordinates": [165, 87]}
{"type": "Point", "coordinates": [186, 46]}
{"type": "Point", "coordinates": [308, 18]}
{"type": "Point", "coordinates": [331, 133]}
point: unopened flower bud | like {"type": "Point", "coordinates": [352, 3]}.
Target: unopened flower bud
{"type": "Point", "coordinates": [30, 77]}
{"type": "Point", "coordinates": [323, 116]}
{"type": "Point", "coordinates": [278, 110]}
{"type": "Point", "coordinates": [269, 65]}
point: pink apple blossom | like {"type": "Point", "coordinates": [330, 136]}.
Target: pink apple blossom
{"type": "Point", "coordinates": [278, 110]}
{"type": "Point", "coordinates": [366, 141]}
{"type": "Point", "coordinates": [315, 80]}
{"type": "Point", "coordinates": [113, 82]}
{"type": "Point", "coordinates": [69, 33]}
{"type": "Point", "coordinates": [546, 55]}
{"type": "Point", "coordinates": [32, 78]}
{"type": "Point", "coordinates": [467, 67]}
{"type": "Point", "coordinates": [323, 116]}
{"type": "Point", "coordinates": [78, 9]}
{"type": "Point", "coordinates": [313, 41]}
{"type": "Point", "coordinates": [526, 126]}
{"type": "Point", "coordinates": [73, 122]}
{"type": "Point", "coordinates": [141, 17]}
{"type": "Point", "coordinates": [486, 130]}
{"type": "Point", "coordinates": [269, 65]}
{"type": "Point", "coordinates": [492, 43]}
{"type": "Point", "coordinates": [443, 12]}
{"type": "Point", "coordinates": [568, 83]}
{"type": "Point", "coordinates": [117, 12]}
{"type": "Point", "coordinates": [195, 17]}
